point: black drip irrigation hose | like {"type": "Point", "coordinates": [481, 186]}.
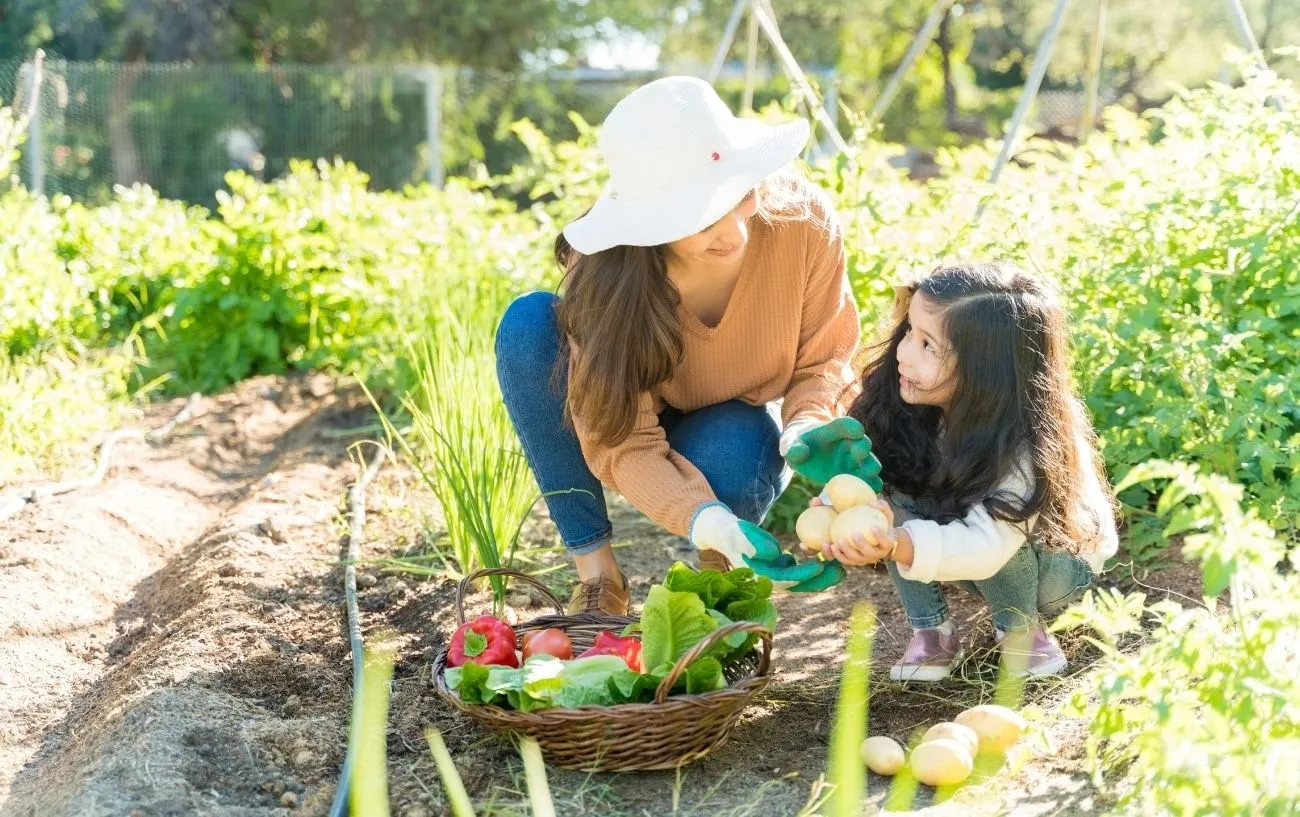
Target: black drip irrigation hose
{"type": "Point", "coordinates": [357, 511]}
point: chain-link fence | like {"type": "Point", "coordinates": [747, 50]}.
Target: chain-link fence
{"type": "Point", "coordinates": [180, 128]}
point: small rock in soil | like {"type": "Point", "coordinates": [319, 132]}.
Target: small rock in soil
{"type": "Point", "coordinates": [372, 604]}
{"type": "Point", "coordinates": [519, 600]}
{"type": "Point", "coordinates": [366, 580]}
{"type": "Point", "coordinates": [226, 571]}
{"type": "Point", "coordinates": [417, 811]}
{"type": "Point", "coordinates": [289, 800]}
{"type": "Point", "coordinates": [291, 706]}
{"type": "Point", "coordinates": [272, 531]}
{"type": "Point", "coordinates": [303, 759]}
{"type": "Point", "coordinates": [277, 788]}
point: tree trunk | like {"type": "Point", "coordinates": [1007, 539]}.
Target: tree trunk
{"type": "Point", "coordinates": [1269, 9]}
{"type": "Point", "coordinates": [127, 169]}
{"type": "Point", "coordinates": [945, 52]}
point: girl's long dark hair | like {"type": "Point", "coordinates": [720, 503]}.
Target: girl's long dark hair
{"type": "Point", "coordinates": [1012, 398]}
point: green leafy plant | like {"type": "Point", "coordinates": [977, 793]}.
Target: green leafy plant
{"type": "Point", "coordinates": [464, 447]}
{"type": "Point", "coordinates": [1204, 719]}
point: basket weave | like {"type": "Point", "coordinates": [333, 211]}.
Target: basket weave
{"type": "Point", "coordinates": [666, 734]}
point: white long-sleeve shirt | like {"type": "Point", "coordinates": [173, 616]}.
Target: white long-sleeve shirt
{"type": "Point", "coordinates": [977, 546]}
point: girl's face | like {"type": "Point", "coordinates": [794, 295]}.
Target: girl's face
{"type": "Point", "coordinates": [722, 243]}
{"type": "Point", "coordinates": [925, 360]}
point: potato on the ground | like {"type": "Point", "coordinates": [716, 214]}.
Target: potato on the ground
{"type": "Point", "coordinates": [847, 491]}
{"type": "Point", "coordinates": [813, 527]}
{"type": "Point", "coordinates": [941, 762]}
{"type": "Point", "coordinates": [997, 726]}
{"type": "Point", "coordinates": [883, 755]}
{"type": "Point", "coordinates": [860, 519]}
{"type": "Point", "coordinates": [954, 731]}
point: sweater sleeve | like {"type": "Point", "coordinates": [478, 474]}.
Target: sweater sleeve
{"type": "Point", "coordinates": [828, 332]}
{"type": "Point", "coordinates": [972, 548]}
{"type": "Point", "coordinates": [658, 481]}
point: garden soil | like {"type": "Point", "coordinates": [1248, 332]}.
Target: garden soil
{"type": "Point", "coordinates": [173, 642]}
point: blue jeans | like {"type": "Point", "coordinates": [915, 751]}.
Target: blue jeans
{"type": "Point", "coordinates": [733, 443]}
{"type": "Point", "coordinates": [1034, 582]}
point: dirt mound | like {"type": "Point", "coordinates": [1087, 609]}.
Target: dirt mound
{"type": "Point", "coordinates": [173, 643]}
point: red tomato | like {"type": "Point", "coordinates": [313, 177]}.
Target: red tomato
{"type": "Point", "coordinates": [553, 641]}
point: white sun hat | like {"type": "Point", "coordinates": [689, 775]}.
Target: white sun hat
{"type": "Point", "coordinates": [678, 161]}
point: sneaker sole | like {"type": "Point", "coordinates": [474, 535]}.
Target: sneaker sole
{"type": "Point", "coordinates": [924, 674]}
{"type": "Point", "coordinates": [1045, 671]}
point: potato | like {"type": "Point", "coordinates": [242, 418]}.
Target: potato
{"type": "Point", "coordinates": [998, 727]}
{"type": "Point", "coordinates": [813, 527]}
{"type": "Point", "coordinates": [860, 519]}
{"type": "Point", "coordinates": [954, 731]}
{"type": "Point", "coordinates": [847, 491]}
{"type": "Point", "coordinates": [941, 762]}
{"type": "Point", "coordinates": [882, 755]}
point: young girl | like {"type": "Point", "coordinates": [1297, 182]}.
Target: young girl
{"type": "Point", "coordinates": [989, 464]}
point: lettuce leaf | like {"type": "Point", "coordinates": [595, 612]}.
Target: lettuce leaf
{"type": "Point", "coordinates": [543, 681]}
{"type": "Point", "coordinates": [712, 586]}
{"type": "Point", "coordinates": [671, 623]}
{"type": "Point", "coordinates": [469, 681]}
{"type": "Point", "coordinates": [705, 675]}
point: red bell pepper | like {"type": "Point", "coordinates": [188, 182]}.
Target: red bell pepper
{"type": "Point", "coordinates": [628, 648]}
{"type": "Point", "coordinates": [485, 640]}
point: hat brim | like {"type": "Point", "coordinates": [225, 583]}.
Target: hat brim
{"type": "Point", "coordinates": [682, 211]}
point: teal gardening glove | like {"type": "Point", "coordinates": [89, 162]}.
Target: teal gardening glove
{"type": "Point", "coordinates": [717, 528]}
{"type": "Point", "coordinates": [838, 447]}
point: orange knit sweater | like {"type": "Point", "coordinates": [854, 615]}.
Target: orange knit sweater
{"type": "Point", "coordinates": [789, 331]}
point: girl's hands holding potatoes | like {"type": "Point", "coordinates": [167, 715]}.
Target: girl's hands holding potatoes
{"type": "Point", "coordinates": [863, 535]}
{"type": "Point", "coordinates": [855, 527]}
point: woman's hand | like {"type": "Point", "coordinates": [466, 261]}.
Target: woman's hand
{"type": "Point", "coordinates": [841, 446]}
{"type": "Point", "coordinates": [747, 545]}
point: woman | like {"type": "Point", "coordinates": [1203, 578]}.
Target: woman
{"type": "Point", "coordinates": [706, 283]}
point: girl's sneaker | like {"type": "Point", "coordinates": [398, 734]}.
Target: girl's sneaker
{"type": "Point", "coordinates": [1033, 653]}
{"type": "Point", "coordinates": [930, 656]}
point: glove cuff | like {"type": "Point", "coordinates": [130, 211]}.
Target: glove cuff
{"type": "Point", "coordinates": [792, 432]}
{"type": "Point", "coordinates": [692, 533]}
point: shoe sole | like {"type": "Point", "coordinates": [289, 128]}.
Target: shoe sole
{"type": "Point", "coordinates": [1045, 671]}
{"type": "Point", "coordinates": [923, 673]}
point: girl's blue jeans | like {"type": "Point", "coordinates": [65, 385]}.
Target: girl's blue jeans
{"type": "Point", "coordinates": [734, 444]}
{"type": "Point", "coordinates": [1034, 583]}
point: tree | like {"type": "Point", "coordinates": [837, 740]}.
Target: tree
{"type": "Point", "coordinates": [1150, 48]}
{"type": "Point", "coordinates": [496, 34]}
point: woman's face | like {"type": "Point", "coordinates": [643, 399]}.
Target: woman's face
{"type": "Point", "coordinates": [720, 244]}
{"type": "Point", "coordinates": [925, 360]}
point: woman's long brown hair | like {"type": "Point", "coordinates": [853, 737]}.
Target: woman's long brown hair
{"type": "Point", "coordinates": [1013, 398]}
{"type": "Point", "coordinates": [619, 308]}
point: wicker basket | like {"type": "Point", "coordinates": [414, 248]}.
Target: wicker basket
{"type": "Point", "coordinates": [666, 734]}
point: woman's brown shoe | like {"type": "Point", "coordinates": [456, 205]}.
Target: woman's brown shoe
{"type": "Point", "coordinates": [713, 560]}
{"type": "Point", "coordinates": [605, 595]}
